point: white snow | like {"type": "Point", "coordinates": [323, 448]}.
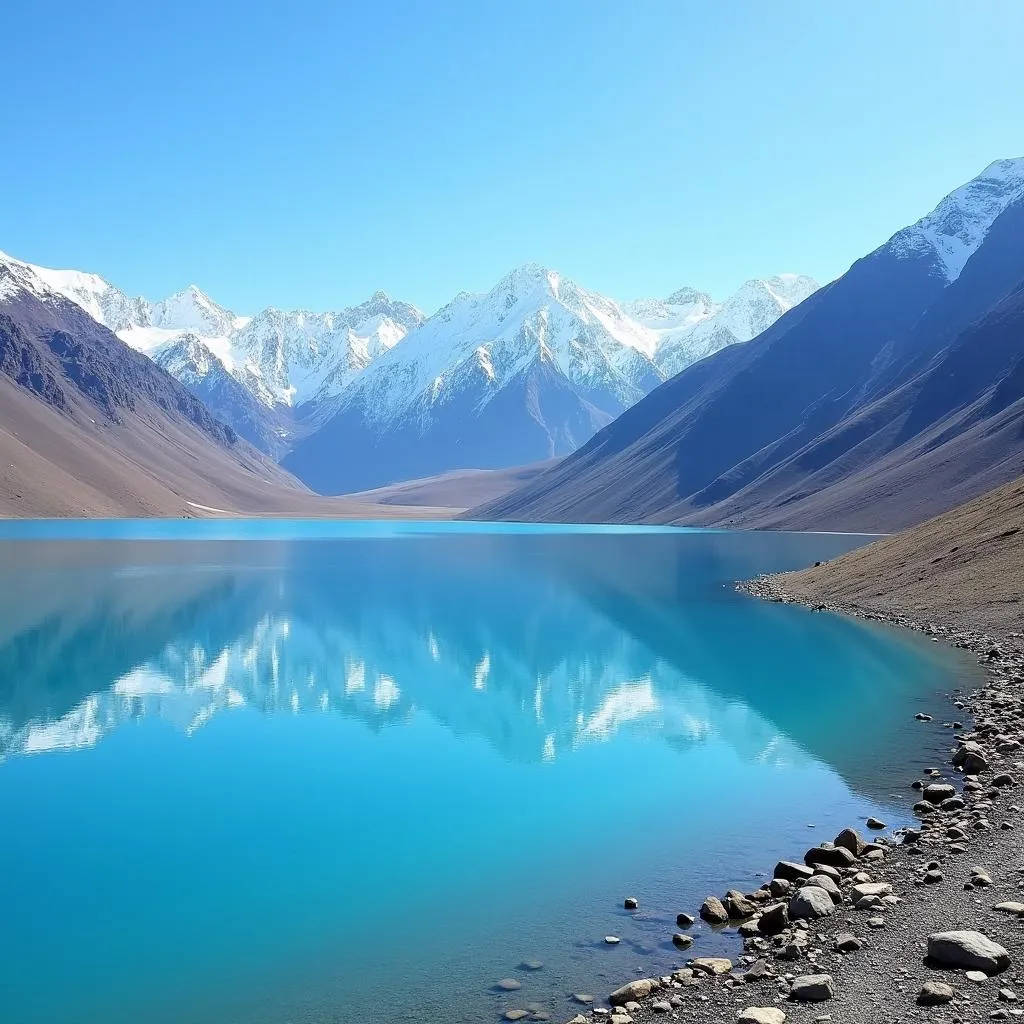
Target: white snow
{"type": "Point", "coordinates": [956, 227]}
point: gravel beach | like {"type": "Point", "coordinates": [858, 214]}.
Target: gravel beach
{"type": "Point", "coordinates": [867, 958]}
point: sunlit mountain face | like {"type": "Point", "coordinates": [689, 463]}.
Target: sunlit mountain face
{"type": "Point", "coordinates": [236, 773]}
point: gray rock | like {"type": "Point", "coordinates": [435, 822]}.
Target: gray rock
{"type": "Point", "coordinates": [938, 791]}
{"type": "Point", "coordinates": [836, 856]}
{"type": "Point", "coordinates": [774, 920]}
{"type": "Point", "coordinates": [682, 941]}
{"type": "Point", "coordinates": [847, 942]}
{"type": "Point", "coordinates": [612, 940]}
{"type": "Point", "coordinates": [1010, 908]}
{"type": "Point", "coordinates": [516, 1014]}
{"type": "Point", "coordinates": [811, 902]}
{"type": "Point", "coordinates": [812, 988]}
{"type": "Point", "coordinates": [635, 990]}
{"type": "Point", "coordinates": [1004, 779]}
{"type": "Point", "coordinates": [780, 887]}
{"type": "Point", "coordinates": [713, 911]}
{"type": "Point", "coordinates": [737, 905]}
{"type": "Point", "coordinates": [865, 889]}
{"type": "Point", "coordinates": [661, 1006]}
{"type": "Point", "coordinates": [935, 993]}
{"type": "Point", "coordinates": [791, 871]}
{"type": "Point", "coordinates": [509, 985]}
{"type": "Point", "coordinates": [757, 971]}
{"type": "Point", "coordinates": [684, 920]}
{"type": "Point", "coordinates": [713, 965]}
{"type": "Point", "coordinates": [969, 950]}
{"type": "Point", "coordinates": [630, 903]}
{"type": "Point", "coordinates": [875, 823]}
{"type": "Point", "coordinates": [851, 840]}
{"type": "Point", "coordinates": [761, 1015]}
{"type": "Point", "coordinates": [828, 884]}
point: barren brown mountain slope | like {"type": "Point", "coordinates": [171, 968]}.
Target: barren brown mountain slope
{"type": "Point", "coordinates": [458, 490]}
{"type": "Point", "coordinates": [964, 568]}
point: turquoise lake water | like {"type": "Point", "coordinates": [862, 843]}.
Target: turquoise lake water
{"type": "Point", "coordinates": [279, 772]}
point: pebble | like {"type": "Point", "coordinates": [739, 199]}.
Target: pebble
{"type": "Point", "coordinates": [761, 1015]}
{"type": "Point", "coordinates": [509, 985]}
{"type": "Point", "coordinates": [612, 940]}
{"type": "Point", "coordinates": [812, 988]}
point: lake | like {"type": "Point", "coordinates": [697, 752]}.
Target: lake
{"type": "Point", "coordinates": [311, 772]}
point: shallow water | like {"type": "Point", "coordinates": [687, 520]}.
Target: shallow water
{"type": "Point", "coordinates": [363, 771]}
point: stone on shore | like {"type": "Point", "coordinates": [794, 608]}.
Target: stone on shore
{"type": "Point", "coordinates": [761, 1015]}
{"type": "Point", "coordinates": [713, 965]}
{"type": "Point", "coordinates": [827, 883]}
{"type": "Point", "coordinates": [791, 871]}
{"type": "Point", "coordinates": [935, 993]}
{"type": "Point", "coordinates": [851, 840]}
{"type": "Point", "coordinates": [713, 911]}
{"type": "Point", "coordinates": [865, 890]}
{"type": "Point", "coordinates": [847, 942]}
{"type": "Point", "coordinates": [968, 950]}
{"type": "Point", "coordinates": [811, 902]}
{"type": "Point", "coordinates": [812, 988]}
{"type": "Point", "coordinates": [1010, 907]}
{"type": "Point", "coordinates": [738, 905]}
{"type": "Point", "coordinates": [971, 758]}
{"type": "Point", "coordinates": [835, 856]}
{"type": "Point", "coordinates": [634, 991]}
{"type": "Point", "coordinates": [938, 791]}
{"type": "Point", "coordinates": [774, 920]}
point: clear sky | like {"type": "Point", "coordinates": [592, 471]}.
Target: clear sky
{"type": "Point", "coordinates": [306, 153]}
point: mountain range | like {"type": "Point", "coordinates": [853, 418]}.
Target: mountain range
{"type": "Point", "coordinates": [526, 372]}
{"type": "Point", "coordinates": [887, 396]}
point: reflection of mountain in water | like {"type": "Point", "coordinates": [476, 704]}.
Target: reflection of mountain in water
{"type": "Point", "coordinates": [539, 644]}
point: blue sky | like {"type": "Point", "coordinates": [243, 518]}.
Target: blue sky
{"type": "Point", "coordinates": [304, 154]}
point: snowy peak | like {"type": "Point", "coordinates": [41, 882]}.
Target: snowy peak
{"type": "Point", "coordinates": [193, 310]}
{"type": "Point", "coordinates": [952, 232]}
{"type": "Point", "coordinates": [689, 325]}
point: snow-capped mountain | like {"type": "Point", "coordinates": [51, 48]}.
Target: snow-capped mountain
{"type": "Point", "coordinates": [528, 371]}
{"type": "Point", "coordinates": [540, 359]}
{"type": "Point", "coordinates": [952, 232]}
{"type": "Point", "coordinates": [691, 326]}
{"type": "Point", "coordinates": [277, 361]}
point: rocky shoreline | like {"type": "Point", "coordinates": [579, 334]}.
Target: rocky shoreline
{"type": "Point", "coordinates": [927, 923]}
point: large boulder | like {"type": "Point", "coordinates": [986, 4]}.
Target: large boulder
{"type": "Point", "coordinates": [835, 856]}
{"type": "Point", "coordinates": [812, 988]}
{"type": "Point", "coordinates": [969, 950]}
{"type": "Point", "coordinates": [810, 902]}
